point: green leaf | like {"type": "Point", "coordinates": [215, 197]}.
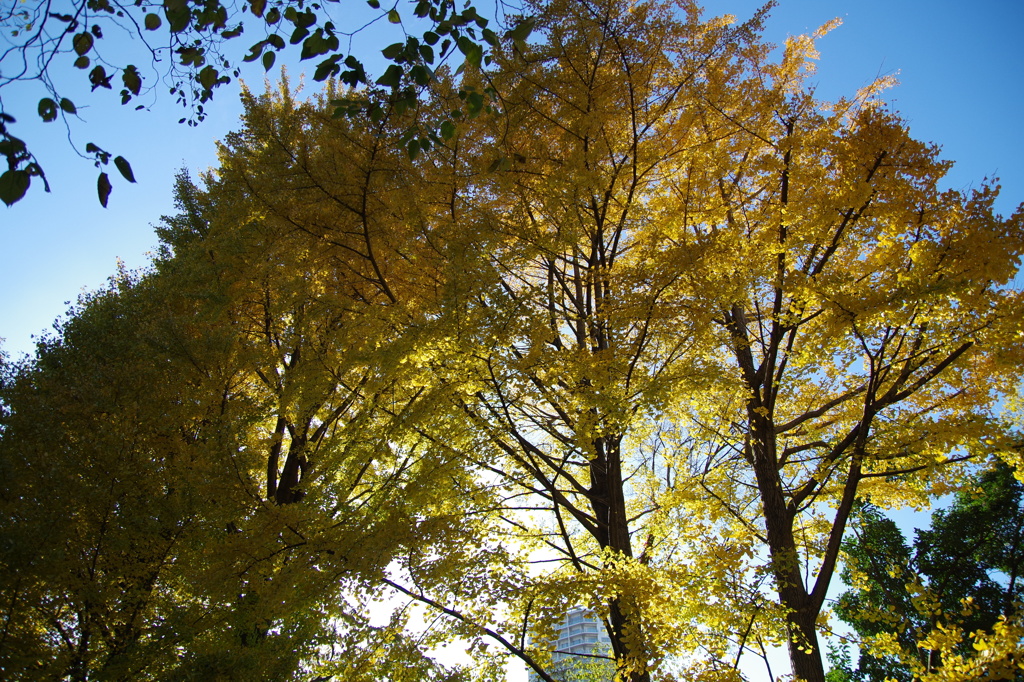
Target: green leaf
{"type": "Point", "coordinates": [393, 50]}
{"type": "Point", "coordinates": [82, 63]}
{"type": "Point", "coordinates": [447, 130]}
{"type": "Point", "coordinates": [178, 13]}
{"type": "Point", "coordinates": [475, 55]}
{"type": "Point", "coordinates": [13, 185]}
{"type": "Point", "coordinates": [475, 100]}
{"type": "Point", "coordinates": [191, 55]}
{"type": "Point", "coordinates": [208, 77]}
{"type": "Point", "coordinates": [82, 42]}
{"type": "Point", "coordinates": [257, 7]}
{"type": "Point", "coordinates": [413, 149]}
{"type": "Point", "coordinates": [356, 75]}
{"type": "Point", "coordinates": [152, 22]}
{"type": "Point", "coordinates": [375, 4]}
{"type": "Point", "coordinates": [99, 78]}
{"type": "Point", "coordinates": [125, 168]}
{"type": "Point", "coordinates": [255, 51]}
{"type": "Point", "coordinates": [315, 45]}
{"type": "Point", "coordinates": [327, 68]}
{"type": "Point", "coordinates": [68, 106]}
{"type": "Point", "coordinates": [427, 53]}
{"type": "Point", "coordinates": [103, 189]}
{"type": "Point", "coordinates": [47, 109]}
{"type": "Point", "coordinates": [268, 60]}
{"type": "Point", "coordinates": [420, 74]}
{"type": "Point", "coordinates": [394, 17]}
{"type": "Point", "coordinates": [522, 31]}
{"type": "Point", "coordinates": [392, 77]}
{"type": "Point", "coordinates": [131, 79]}
{"type": "Point", "coordinates": [12, 148]}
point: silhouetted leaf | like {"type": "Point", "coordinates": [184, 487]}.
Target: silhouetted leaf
{"type": "Point", "coordinates": [393, 50]}
{"type": "Point", "coordinates": [178, 14]}
{"type": "Point", "coordinates": [125, 168]}
{"type": "Point", "coordinates": [392, 77]}
{"type": "Point", "coordinates": [47, 109]}
{"type": "Point", "coordinates": [13, 185]}
{"type": "Point", "coordinates": [103, 189]}
{"type": "Point", "coordinates": [82, 43]}
{"type": "Point", "coordinates": [131, 79]}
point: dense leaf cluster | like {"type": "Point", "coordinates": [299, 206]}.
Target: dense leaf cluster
{"type": "Point", "coordinates": [965, 569]}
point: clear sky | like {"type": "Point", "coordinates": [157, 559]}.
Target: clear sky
{"type": "Point", "coordinates": [960, 65]}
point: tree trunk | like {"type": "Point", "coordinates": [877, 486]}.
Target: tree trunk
{"type": "Point", "coordinates": [608, 502]}
{"type": "Point", "coordinates": [804, 651]}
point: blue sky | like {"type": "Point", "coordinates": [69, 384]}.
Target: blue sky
{"type": "Point", "coordinates": [960, 65]}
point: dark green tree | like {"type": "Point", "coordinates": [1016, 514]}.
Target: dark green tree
{"type": "Point", "coordinates": [964, 570]}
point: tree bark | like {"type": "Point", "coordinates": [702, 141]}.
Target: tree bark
{"type": "Point", "coordinates": [608, 502]}
{"type": "Point", "coordinates": [804, 651]}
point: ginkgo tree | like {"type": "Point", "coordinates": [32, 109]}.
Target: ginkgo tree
{"type": "Point", "coordinates": [863, 320]}
{"type": "Point", "coordinates": [198, 533]}
{"type": "Point", "coordinates": [695, 246]}
{"type": "Point", "coordinates": [636, 342]}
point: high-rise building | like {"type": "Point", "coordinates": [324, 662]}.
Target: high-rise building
{"type": "Point", "coordinates": [580, 650]}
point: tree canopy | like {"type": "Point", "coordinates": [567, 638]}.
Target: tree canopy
{"type": "Point", "coordinates": [963, 575]}
{"type": "Point", "coordinates": [638, 344]}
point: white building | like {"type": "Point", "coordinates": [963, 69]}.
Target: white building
{"type": "Point", "coordinates": [580, 651]}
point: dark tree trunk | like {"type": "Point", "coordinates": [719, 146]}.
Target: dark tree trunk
{"type": "Point", "coordinates": [608, 502]}
{"type": "Point", "coordinates": [804, 651]}
{"type": "Point", "coordinates": [294, 466]}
